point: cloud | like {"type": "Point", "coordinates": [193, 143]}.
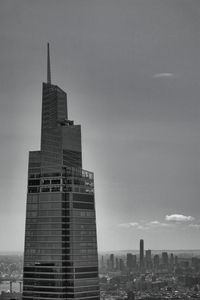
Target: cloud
{"type": "Point", "coordinates": [135, 225]}
{"type": "Point", "coordinates": [142, 225]}
{"type": "Point", "coordinates": [155, 222]}
{"type": "Point", "coordinates": [163, 75]}
{"type": "Point", "coordinates": [159, 224]}
{"type": "Point", "coordinates": [128, 225]}
{"type": "Point", "coordinates": [173, 220]}
{"type": "Point", "coordinates": [178, 218]}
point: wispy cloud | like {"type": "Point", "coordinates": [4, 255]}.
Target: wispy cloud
{"type": "Point", "coordinates": [159, 224]}
{"type": "Point", "coordinates": [129, 225]}
{"type": "Point", "coordinates": [163, 75]}
{"type": "Point", "coordinates": [143, 225]}
{"type": "Point", "coordinates": [171, 221]}
{"type": "Point", "coordinates": [178, 218]}
{"type": "Point", "coordinates": [136, 225]}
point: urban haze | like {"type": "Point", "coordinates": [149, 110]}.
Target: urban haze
{"type": "Point", "coordinates": [131, 70]}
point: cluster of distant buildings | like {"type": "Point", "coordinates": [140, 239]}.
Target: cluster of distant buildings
{"type": "Point", "coordinates": [145, 261]}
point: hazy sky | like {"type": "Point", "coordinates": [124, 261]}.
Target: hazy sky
{"type": "Point", "coordinates": [132, 73]}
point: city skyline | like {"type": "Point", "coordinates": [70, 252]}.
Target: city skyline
{"type": "Point", "coordinates": [132, 73]}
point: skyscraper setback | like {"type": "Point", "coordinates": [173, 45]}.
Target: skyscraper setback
{"type": "Point", "coordinates": [60, 255]}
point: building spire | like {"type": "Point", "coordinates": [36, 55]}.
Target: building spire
{"type": "Point", "coordinates": [48, 65]}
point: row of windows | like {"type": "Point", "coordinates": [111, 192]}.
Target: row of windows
{"type": "Point", "coordinates": [50, 226]}
{"type": "Point", "coordinates": [79, 213]}
{"type": "Point", "coordinates": [55, 264]}
{"type": "Point", "coordinates": [84, 238]}
{"type": "Point", "coordinates": [59, 269]}
{"type": "Point", "coordinates": [47, 251]}
{"type": "Point", "coordinates": [84, 251]}
{"type": "Point", "coordinates": [38, 175]}
{"type": "Point", "coordinates": [32, 190]}
{"type": "Point", "coordinates": [53, 149]}
{"type": "Point", "coordinates": [51, 141]}
{"type": "Point", "coordinates": [45, 296]}
{"type": "Point", "coordinates": [69, 294]}
{"type": "Point", "coordinates": [46, 232]}
{"type": "Point", "coordinates": [37, 190]}
{"type": "Point", "coordinates": [34, 170]}
{"type": "Point", "coordinates": [33, 182]}
{"type": "Point", "coordinates": [46, 245]}
{"type": "Point", "coordinates": [87, 288]}
{"type": "Point", "coordinates": [47, 283]}
{"type": "Point", "coordinates": [55, 226]}
{"type": "Point", "coordinates": [48, 213]}
{"type": "Point", "coordinates": [76, 239]}
{"type": "Point", "coordinates": [57, 286]}
{"type": "Point", "coordinates": [61, 257]}
{"type": "Point", "coordinates": [47, 205]}
{"type": "Point", "coordinates": [53, 245]}
{"type": "Point", "coordinates": [83, 198]}
{"type": "Point", "coordinates": [51, 269]}
{"type": "Point", "coordinates": [65, 196]}
{"type": "Point", "coordinates": [51, 155]}
{"type": "Point", "coordinates": [47, 289]}
{"type": "Point", "coordinates": [47, 269]}
{"type": "Point", "coordinates": [60, 296]}
{"type": "Point", "coordinates": [83, 220]}
{"type": "Point", "coordinates": [47, 220]}
{"type": "Point", "coordinates": [83, 205]}
{"type": "Point", "coordinates": [41, 296]}
{"type": "Point", "coordinates": [60, 276]}
{"type": "Point", "coordinates": [83, 232]}
{"type": "Point", "coordinates": [34, 164]}
{"type": "Point", "coordinates": [62, 251]}
{"type": "Point", "coordinates": [84, 226]}
{"type": "Point", "coordinates": [34, 218]}
{"type": "Point", "coordinates": [44, 198]}
{"type": "Point", "coordinates": [86, 294]}
{"type": "Point", "coordinates": [39, 200]}
{"type": "Point", "coordinates": [62, 233]}
{"type": "Point", "coordinates": [47, 238]}
{"type": "Point", "coordinates": [78, 283]}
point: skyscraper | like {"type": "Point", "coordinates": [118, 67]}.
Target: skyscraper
{"type": "Point", "coordinates": [148, 259]}
{"type": "Point", "coordinates": [112, 262]}
{"type": "Point", "coordinates": [141, 255]}
{"type": "Point", "coordinates": [130, 261]}
{"type": "Point", "coordinates": [165, 259]}
{"type": "Point", "coordinates": [156, 261]}
{"type": "Point", "coordinates": [60, 255]}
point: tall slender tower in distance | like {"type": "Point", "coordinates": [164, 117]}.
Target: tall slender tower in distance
{"type": "Point", "coordinates": [141, 255]}
{"type": "Point", "coordinates": [60, 253]}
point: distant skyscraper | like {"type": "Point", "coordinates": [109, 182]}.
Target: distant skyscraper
{"type": "Point", "coordinates": [60, 255]}
{"type": "Point", "coordinates": [130, 261]}
{"type": "Point", "coordinates": [102, 261]}
{"type": "Point", "coordinates": [117, 263]}
{"type": "Point", "coordinates": [121, 264]}
{"type": "Point", "coordinates": [156, 261]}
{"type": "Point", "coordinates": [141, 255]}
{"type": "Point", "coordinates": [112, 262]}
{"type": "Point", "coordinates": [176, 261]}
{"type": "Point", "coordinates": [148, 259]}
{"type": "Point", "coordinates": [171, 261]}
{"type": "Point", "coordinates": [165, 259]}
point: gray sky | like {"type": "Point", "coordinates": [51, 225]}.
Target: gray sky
{"type": "Point", "coordinates": [131, 69]}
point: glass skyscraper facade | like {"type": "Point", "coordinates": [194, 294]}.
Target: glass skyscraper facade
{"type": "Point", "coordinates": [60, 254]}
